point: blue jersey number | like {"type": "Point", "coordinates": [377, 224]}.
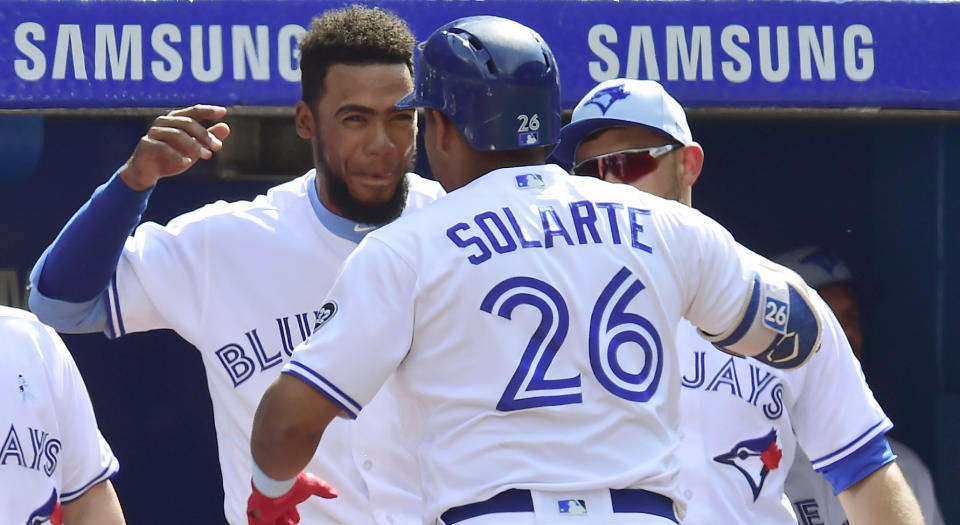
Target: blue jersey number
{"type": "Point", "coordinates": [610, 327]}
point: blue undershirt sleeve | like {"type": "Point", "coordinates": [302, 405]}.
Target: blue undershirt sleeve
{"type": "Point", "coordinates": [846, 472]}
{"type": "Point", "coordinates": [70, 277]}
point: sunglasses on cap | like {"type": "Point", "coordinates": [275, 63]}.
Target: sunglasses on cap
{"type": "Point", "coordinates": [628, 165]}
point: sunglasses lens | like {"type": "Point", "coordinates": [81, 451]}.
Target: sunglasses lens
{"type": "Point", "coordinates": [588, 168]}
{"type": "Point", "coordinates": [628, 166]}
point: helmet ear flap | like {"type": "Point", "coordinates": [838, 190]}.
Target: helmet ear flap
{"type": "Point", "coordinates": [496, 80]}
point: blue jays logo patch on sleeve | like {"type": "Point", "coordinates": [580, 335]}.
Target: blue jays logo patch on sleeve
{"type": "Point", "coordinates": [326, 312]}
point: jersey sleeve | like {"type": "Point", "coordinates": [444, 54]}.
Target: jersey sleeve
{"type": "Point", "coordinates": [68, 281]}
{"type": "Point", "coordinates": [367, 329]}
{"type": "Point", "coordinates": [85, 455]}
{"type": "Point", "coordinates": [717, 273]}
{"type": "Point", "coordinates": [161, 277]}
{"type": "Point", "coordinates": [838, 422]}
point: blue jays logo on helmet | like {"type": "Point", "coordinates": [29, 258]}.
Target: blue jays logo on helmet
{"type": "Point", "coordinates": [46, 512]}
{"type": "Point", "coordinates": [754, 459]}
{"type": "Point", "coordinates": [606, 97]}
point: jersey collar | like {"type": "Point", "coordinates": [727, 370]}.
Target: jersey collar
{"type": "Point", "coordinates": [339, 226]}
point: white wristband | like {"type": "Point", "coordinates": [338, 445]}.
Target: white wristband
{"type": "Point", "coordinates": [268, 486]}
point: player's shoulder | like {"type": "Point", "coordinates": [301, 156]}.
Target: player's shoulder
{"type": "Point", "coordinates": [8, 313]}
{"type": "Point", "coordinates": [17, 324]}
{"type": "Point", "coordinates": [422, 190]}
{"type": "Point", "coordinates": [21, 320]}
{"type": "Point", "coordinates": [267, 207]}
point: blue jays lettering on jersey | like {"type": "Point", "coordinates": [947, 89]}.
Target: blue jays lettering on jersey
{"type": "Point", "coordinates": [248, 354]}
{"type": "Point", "coordinates": [41, 455]}
{"type": "Point", "coordinates": [739, 378]}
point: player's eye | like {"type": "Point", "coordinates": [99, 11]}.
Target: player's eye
{"type": "Point", "coordinates": [404, 117]}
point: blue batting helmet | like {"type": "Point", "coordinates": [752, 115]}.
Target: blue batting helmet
{"type": "Point", "coordinates": [495, 79]}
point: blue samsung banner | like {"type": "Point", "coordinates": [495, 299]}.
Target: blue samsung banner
{"type": "Point", "coordinates": [91, 54]}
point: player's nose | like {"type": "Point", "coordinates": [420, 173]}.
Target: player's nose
{"type": "Point", "coordinates": [380, 142]}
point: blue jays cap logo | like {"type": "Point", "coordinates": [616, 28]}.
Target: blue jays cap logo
{"type": "Point", "coordinates": [754, 459]}
{"type": "Point", "coordinates": [823, 260]}
{"type": "Point", "coordinates": [605, 98]}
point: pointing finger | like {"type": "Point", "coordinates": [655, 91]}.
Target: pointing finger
{"type": "Point", "coordinates": [201, 112]}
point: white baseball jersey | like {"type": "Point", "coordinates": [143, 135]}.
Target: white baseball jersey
{"type": "Point", "coordinates": [532, 316]}
{"type": "Point", "coordinates": [52, 450]}
{"type": "Point", "coordinates": [741, 421]}
{"type": "Point", "coordinates": [243, 282]}
{"type": "Point", "coordinates": [815, 502]}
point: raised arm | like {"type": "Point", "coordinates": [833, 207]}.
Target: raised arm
{"type": "Point", "coordinates": [68, 281]}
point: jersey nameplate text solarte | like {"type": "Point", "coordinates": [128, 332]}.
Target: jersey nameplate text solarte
{"type": "Point", "coordinates": [580, 223]}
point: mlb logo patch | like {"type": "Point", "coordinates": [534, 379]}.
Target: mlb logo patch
{"type": "Point", "coordinates": [530, 180]}
{"type": "Point", "coordinates": [572, 506]}
{"type": "Point", "coordinates": [528, 138]}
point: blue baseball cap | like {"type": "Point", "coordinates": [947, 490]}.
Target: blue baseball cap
{"type": "Point", "coordinates": [817, 266]}
{"type": "Point", "coordinates": [623, 102]}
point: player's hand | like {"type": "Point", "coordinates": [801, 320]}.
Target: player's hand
{"type": "Point", "coordinates": [262, 510]}
{"type": "Point", "coordinates": [173, 143]}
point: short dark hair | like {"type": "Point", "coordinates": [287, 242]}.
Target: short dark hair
{"type": "Point", "coordinates": [352, 35]}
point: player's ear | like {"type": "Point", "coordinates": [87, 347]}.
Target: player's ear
{"type": "Point", "coordinates": [692, 160]}
{"type": "Point", "coordinates": [442, 131]}
{"type": "Point", "coordinates": [303, 118]}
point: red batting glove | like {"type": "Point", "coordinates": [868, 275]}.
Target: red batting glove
{"type": "Point", "coordinates": [262, 510]}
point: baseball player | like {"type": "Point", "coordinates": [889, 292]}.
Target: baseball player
{"type": "Point", "coordinates": [55, 467]}
{"type": "Point", "coordinates": [812, 497]}
{"type": "Point", "coordinates": [530, 315]}
{"type": "Point", "coordinates": [740, 419]}
{"type": "Point", "coordinates": [243, 281]}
